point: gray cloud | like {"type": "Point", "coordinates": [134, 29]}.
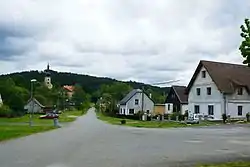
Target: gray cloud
{"type": "Point", "coordinates": [144, 40]}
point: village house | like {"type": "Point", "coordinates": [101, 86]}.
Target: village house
{"type": "Point", "coordinates": [177, 100]}
{"type": "Point", "coordinates": [69, 90]}
{"type": "Point", "coordinates": [33, 105]}
{"type": "Point", "coordinates": [136, 101]}
{"type": "Point", "coordinates": [217, 88]}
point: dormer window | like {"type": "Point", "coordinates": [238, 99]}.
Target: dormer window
{"type": "Point", "coordinates": [203, 73]}
{"type": "Point", "coordinates": [240, 91]}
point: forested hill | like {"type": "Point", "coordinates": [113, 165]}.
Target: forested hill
{"type": "Point", "coordinates": [90, 84]}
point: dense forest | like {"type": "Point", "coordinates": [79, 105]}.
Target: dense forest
{"type": "Point", "coordinates": [90, 84]}
{"type": "Point", "coordinates": [15, 88]}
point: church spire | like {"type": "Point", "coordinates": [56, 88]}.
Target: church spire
{"type": "Point", "coordinates": [48, 66]}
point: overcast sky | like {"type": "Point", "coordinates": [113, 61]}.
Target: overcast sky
{"type": "Point", "coordinates": [142, 40]}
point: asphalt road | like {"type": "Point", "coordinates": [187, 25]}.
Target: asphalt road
{"type": "Point", "coordinates": [89, 142]}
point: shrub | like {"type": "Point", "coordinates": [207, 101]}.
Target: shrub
{"type": "Point", "coordinates": [224, 117]}
{"type": "Point", "coordinates": [166, 116]}
{"type": "Point", "coordinates": [134, 117]}
{"type": "Point", "coordinates": [174, 115]}
{"type": "Point", "coordinates": [5, 111]}
{"type": "Point", "coordinates": [123, 121]}
{"type": "Point", "coordinates": [248, 116]}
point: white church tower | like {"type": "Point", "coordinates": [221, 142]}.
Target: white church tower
{"type": "Point", "coordinates": [47, 78]}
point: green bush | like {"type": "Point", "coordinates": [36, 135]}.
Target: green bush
{"type": "Point", "coordinates": [224, 117]}
{"type": "Point", "coordinates": [248, 117]}
{"type": "Point", "coordinates": [5, 111]}
{"type": "Point", "coordinates": [173, 116]}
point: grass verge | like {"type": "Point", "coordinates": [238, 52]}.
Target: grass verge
{"type": "Point", "coordinates": [148, 124]}
{"type": "Point", "coordinates": [10, 127]}
{"type": "Point", "coordinates": [9, 132]}
{"type": "Point", "coordinates": [66, 116]}
{"type": "Point", "coordinates": [229, 164]}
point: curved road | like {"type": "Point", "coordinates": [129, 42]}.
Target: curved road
{"type": "Point", "coordinates": [89, 142]}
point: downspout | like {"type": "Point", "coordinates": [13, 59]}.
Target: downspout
{"type": "Point", "coordinates": [225, 103]}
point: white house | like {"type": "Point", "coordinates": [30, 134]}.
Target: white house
{"type": "Point", "coordinates": [218, 88]}
{"type": "Point", "coordinates": [33, 105]}
{"type": "Point", "coordinates": [177, 100]}
{"type": "Point", "coordinates": [135, 101]}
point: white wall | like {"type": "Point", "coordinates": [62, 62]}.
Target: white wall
{"type": "Point", "coordinates": [122, 109]}
{"type": "Point", "coordinates": [233, 109]}
{"type": "Point", "coordinates": [29, 107]}
{"type": "Point", "coordinates": [234, 100]}
{"type": "Point", "coordinates": [203, 100]}
{"type": "Point", "coordinates": [170, 110]}
{"type": "Point", "coordinates": [184, 107]}
{"type": "Point", "coordinates": [147, 104]}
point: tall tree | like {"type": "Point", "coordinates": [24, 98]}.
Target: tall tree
{"type": "Point", "coordinates": [78, 96]}
{"type": "Point", "coordinates": [245, 44]}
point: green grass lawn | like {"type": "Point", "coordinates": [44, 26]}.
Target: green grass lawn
{"type": "Point", "coordinates": [67, 116]}
{"type": "Point", "coordinates": [148, 124]}
{"type": "Point", "coordinates": [9, 132]}
{"type": "Point", "coordinates": [230, 164]}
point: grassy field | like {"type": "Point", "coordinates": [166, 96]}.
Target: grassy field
{"type": "Point", "coordinates": [67, 116]}
{"type": "Point", "coordinates": [230, 164]}
{"type": "Point", "coordinates": [148, 124]}
{"type": "Point", "coordinates": [9, 132]}
{"type": "Point", "coordinates": [17, 127]}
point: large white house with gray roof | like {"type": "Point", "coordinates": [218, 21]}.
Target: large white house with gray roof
{"type": "Point", "coordinates": [136, 101]}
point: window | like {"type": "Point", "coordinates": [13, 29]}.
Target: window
{"type": "Point", "coordinates": [168, 107]}
{"type": "Point", "coordinates": [196, 109]}
{"type": "Point", "coordinates": [48, 83]}
{"type": "Point", "coordinates": [121, 111]}
{"type": "Point", "coordinates": [208, 90]}
{"type": "Point", "coordinates": [203, 74]}
{"type": "Point", "coordinates": [131, 111]}
{"type": "Point", "coordinates": [198, 91]}
{"type": "Point", "coordinates": [147, 111]}
{"type": "Point", "coordinates": [240, 110]}
{"type": "Point", "coordinates": [240, 91]}
{"type": "Point", "coordinates": [210, 110]}
{"type": "Point", "coordinates": [124, 111]}
{"type": "Point", "coordinates": [136, 101]}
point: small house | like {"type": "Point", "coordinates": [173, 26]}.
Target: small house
{"type": "Point", "coordinates": [177, 100]}
{"type": "Point", "coordinates": [135, 101]}
{"type": "Point", "coordinates": [33, 105]}
{"type": "Point", "coordinates": [69, 90]}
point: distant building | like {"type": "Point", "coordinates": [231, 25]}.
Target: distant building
{"type": "Point", "coordinates": [34, 106]}
{"type": "Point", "coordinates": [47, 78]}
{"type": "Point", "coordinates": [1, 101]}
{"type": "Point", "coordinates": [177, 100]}
{"type": "Point", "coordinates": [159, 109]}
{"type": "Point", "coordinates": [69, 90]}
{"type": "Point", "coordinates": [136, 101]}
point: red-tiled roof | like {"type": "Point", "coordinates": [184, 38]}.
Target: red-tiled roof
{"type": "Point", "coordinates": [69, 88]}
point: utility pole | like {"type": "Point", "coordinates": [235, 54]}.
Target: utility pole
{"type": "Point", "coordinates": [142, 105]}
{"type": "Point", "coordinates": [32, 100]}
